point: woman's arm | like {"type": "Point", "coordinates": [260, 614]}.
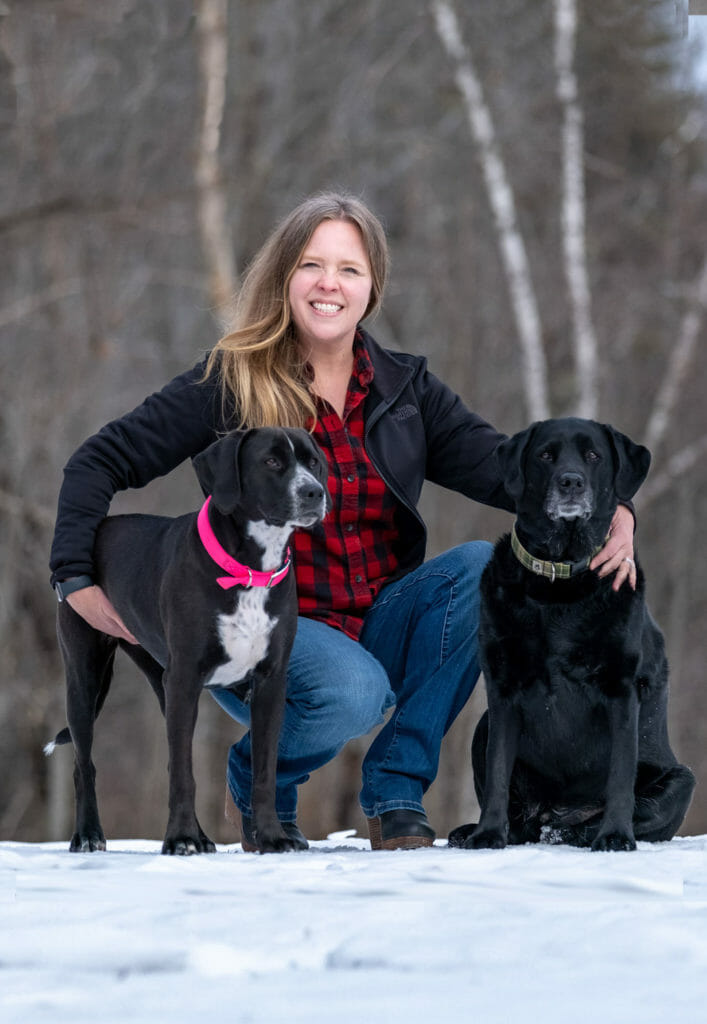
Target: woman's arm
{"type": "Point", "coordinates": [169, 426]}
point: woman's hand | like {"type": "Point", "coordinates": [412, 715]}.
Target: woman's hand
{"type": "Point", "coordinates": [93, 606]}
{"type": "Point", "coordinates": [617, 554]}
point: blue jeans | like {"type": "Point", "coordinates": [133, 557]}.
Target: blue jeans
{"type": "Point", "coordinates": [418, 651]}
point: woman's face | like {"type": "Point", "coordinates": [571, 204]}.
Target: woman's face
{"type": "Point", "coordinates": [331, 287]}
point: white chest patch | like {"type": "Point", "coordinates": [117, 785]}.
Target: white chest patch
{"type": "Point", "coordinates": [245, 638]}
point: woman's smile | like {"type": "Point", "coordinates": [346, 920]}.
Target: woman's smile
{"type": "Point", "coordinates": [331, 288]}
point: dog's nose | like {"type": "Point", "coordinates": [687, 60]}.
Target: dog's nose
{"type": "Point", "coordinates": [310, 491]}
{"type": "Point", "coordinates": [571, 483]}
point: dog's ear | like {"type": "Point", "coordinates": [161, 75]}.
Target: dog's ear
{"type": "Point", "coordinates": [218, 471]}
{"type": "Point", "coordinates": [510, 456]}
{"type": "Point", "coordinates": [632, 463]}
{"type": "Point", "coordinates": [321, 470]}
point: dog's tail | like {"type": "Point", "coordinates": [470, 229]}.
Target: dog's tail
{"type": "Point", "coordinates": [61, 737]}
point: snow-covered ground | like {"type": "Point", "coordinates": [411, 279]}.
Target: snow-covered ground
{"type": "Point", "coordinates": [532, 934]}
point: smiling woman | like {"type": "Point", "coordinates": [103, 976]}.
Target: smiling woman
{"type": "Point", "coordinates": [377, 625]}
{"type": "Point", "coordinates": [329, 293]}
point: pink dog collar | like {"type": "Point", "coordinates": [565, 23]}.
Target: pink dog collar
{"type": "Point", "coordinates": [239, 575]}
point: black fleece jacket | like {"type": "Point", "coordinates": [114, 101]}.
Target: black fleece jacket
{"type": "Point", "coordinates": [416, 429]}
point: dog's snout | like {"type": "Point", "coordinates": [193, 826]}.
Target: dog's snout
{"type": "Point", "coordinates": [310, 491]}
{"type": "Point", "coordinates": [571, 483]}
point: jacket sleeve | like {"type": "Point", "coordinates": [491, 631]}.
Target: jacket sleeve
{"type": "Point", "coordinates": [460, 444]}
{"type": "Point", "coordinates": [168, 427]}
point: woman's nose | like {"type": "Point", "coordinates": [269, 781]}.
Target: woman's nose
{"type": "Point", "coordinates": [328, 278]}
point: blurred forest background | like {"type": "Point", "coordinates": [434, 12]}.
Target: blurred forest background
{"type": "Point", "coordinates": [541, 168]}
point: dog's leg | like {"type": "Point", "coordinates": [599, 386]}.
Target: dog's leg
{"type": "Point", "coordinates": [150, 668]}
{"type": "Point", "coordinates": [616, 831]}
{"type": "Point", "coordinates": [184, 834]}
{"type": "Point", "coordinates": [504, 728]}
{"type": "Point", "coordinates": [266, 714]}
{"type": "Point", "coordinates": [88, 660]}
{"type": "Point", "coordinates": [662, 801]}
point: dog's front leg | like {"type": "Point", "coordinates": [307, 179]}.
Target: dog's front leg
{"type": "Point", "coordinates": [616, 830]}
{"type": "Point", "coordinates": [504, 728]}
{"type": "Point", "coordinates": [184, 834]}
{"type": "Point", "coordinates": [266, 714]}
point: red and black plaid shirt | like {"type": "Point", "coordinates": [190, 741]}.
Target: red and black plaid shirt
{"type": "Point", "coordinates": [342, 565]}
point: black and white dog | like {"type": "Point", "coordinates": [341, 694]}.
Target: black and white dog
{"type": "Point", "coordinates": [574, 747]}
{"type": "Point", "coordinates": [211, 599]}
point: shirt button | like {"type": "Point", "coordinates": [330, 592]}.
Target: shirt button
{"type": "Point", "coordinates": [350, 528]}
{"type": "Point", "coordinates": [351, 478]}
{"type": "Point", "coordinates": [359, 578]}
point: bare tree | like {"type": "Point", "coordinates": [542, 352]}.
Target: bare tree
{"type": "Point", "coordinates": [500, 194]}
{"type": "Point", "coordinates": [212, 28]}
{"type": "Point", "coordinates": [574, 208]}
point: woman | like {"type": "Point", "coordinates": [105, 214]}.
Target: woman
{"type": "Point", "coordinates": [378, 626]}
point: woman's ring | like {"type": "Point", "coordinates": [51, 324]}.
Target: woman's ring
{"type": "Point", "coordinates": [630, 562]}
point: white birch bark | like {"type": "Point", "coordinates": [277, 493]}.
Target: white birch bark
{"type": "Point", "coordinates": [681, 357]}
{"type": "Point", "coordinates": [574, 209]}
{"type": "Point", "coordinates": [500, 195]}
{"type": "Point", "coordinates": [212, 43]}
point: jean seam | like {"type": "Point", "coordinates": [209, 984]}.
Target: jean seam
{"type": "Point", "coordinates": [444, 645]}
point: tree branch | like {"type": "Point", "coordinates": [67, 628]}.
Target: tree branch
{"type": "Point", "coordinates": [20, 507]}
{"type": "Point", "coordinates": [500, 194]}
{"type": "Point", "coordinates": [680, 358]}
{"type": "Point", "coordinates": [676, 466]}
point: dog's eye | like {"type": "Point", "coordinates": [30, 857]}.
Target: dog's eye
{"type": "Point", "coordinates": [272, 463]}
{"type": "Point", "coordinates": [313, 463]}
{"type": "Point", "coordinates": [546, 456]}
{"type": "Point", "coordinates": [592, 456]}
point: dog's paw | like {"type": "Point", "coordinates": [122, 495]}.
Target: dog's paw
{"type": "Point", "coordinates": [185, 846]}
{"type": "Point", "coordinates": [614, 842]}
{"type": "Point", "coordinates": [282, 844]}
{"type": "Point", "coordinates": [87, 842]}
{"type": "Point", "coordinates": [458, 836]}
{"type": "Point", "coordinates": [486, 839]}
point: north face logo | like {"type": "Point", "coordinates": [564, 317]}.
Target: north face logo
{"type": "Point", "coordinates": [405, 412]}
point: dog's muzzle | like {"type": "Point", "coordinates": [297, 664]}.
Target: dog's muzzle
{"type": "Point", "coordinates": [569, 497]}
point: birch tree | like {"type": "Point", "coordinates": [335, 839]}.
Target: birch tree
{"type": "Point", "coordinates": [212, 210]}
{"type": "Point", "coordinates": [574, 209]}
{"type": "Point", "coordinates": [502, 202]}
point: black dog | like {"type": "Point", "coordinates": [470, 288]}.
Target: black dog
{"type": "Point", "coordinates": [197, 628]}
{"type": "Point", "coordinates": [574, 747]}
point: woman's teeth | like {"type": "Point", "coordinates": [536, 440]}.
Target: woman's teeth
{"type": "Point", "coordinates": [326, 307]}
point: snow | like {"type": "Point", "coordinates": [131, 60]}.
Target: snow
{"type": "Point", "coordinates": [338, 933]}
{"type": "Point", "coordinates": [529, 934]}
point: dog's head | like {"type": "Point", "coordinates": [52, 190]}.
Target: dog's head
{"type": "Point", "coordinates": [271, 474]}
{"type": "Point", "coordinates": [571, 472]}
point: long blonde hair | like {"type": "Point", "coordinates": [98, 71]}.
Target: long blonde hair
{"type": "Point", "coordinates": [258, 362]}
